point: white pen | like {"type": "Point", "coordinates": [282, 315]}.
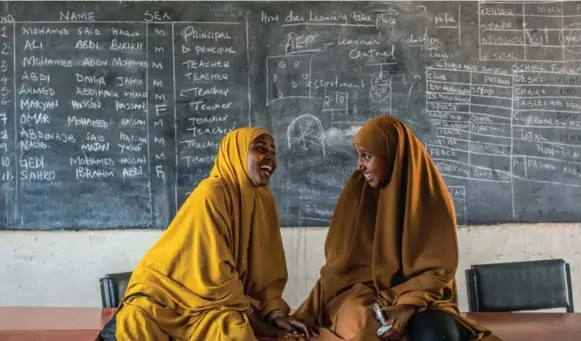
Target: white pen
{"type": "Point", "coordinates": [385, 327]}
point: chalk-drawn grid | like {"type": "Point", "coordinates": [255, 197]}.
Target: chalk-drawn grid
{"type": "Point", "coordinates": [471, 113]}
{"type": "Point", "coordinates": [547, 128]}
{"type": "Point", "coordinates": [458, 194]}
{"type": "Point", "coordinates": [144, 27]}
{"type": "Point", "coordinates": [534, 31]}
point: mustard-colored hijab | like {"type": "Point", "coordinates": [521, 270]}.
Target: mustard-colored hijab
{"type": "Point", "coordinates": [400, 239]}
{"type": "Point", "coordinates": [408, 226]}
{"type": "Point", "coordinates": [223, 249]}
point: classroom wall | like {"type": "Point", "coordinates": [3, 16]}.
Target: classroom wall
{"type": "Point", "coordinates": [63, 268]}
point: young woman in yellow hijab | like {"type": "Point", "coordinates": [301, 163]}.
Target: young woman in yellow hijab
{"type": "Point", "coordinates": [392, 240]}
{"type": "Point", "coordinates": [218, 271]}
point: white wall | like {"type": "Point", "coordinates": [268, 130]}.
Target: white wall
{"type": "Point", "coordinates": [62, 268]}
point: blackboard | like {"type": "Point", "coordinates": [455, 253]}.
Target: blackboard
{"type": "Point", "coordinates": [111, 112]}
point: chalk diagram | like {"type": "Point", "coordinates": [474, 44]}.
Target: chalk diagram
{"type": "Point", "coordinates": [288, 77]}
{"type": "Point", "coordinates": [380, 89]}
{"type": "Point", "coordinates": [337, 103]}
{"type": "Point", "coordinates": [570, 38]}
{"type": "Point", "coordinates": [306, 131]}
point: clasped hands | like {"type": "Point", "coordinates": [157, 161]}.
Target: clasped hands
{"type": "Point", "coordinates": [278, 322]}
{"type": "Point", "coordinates": [397, 316]}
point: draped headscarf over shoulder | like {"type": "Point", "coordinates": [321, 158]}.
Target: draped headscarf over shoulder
{"type": "Point", "coordinates": [399, 239]}
{"type": "Point", "coordinates": [224, 248]}
{"type": "Point", "coordinates": [408, 225]}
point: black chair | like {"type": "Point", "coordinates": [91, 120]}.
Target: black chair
{"type": "Point", "coordinates": [113, 288]}
{"type": "Point", "coordinates": [518, 286]}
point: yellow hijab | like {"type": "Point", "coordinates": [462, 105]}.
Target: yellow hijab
{"type": "Point", "coordinates": [401, 239]}
{"type": "Point", "coordinates": [223, 249]}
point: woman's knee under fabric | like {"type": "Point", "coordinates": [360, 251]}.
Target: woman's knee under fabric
{"type": "Point", "coordinates": [221, 325]}
{"type": "Point", "coordinates": [354, 319]}
{"type": "Point", "coordinates": [160, 324]}
{"type": "Point", "coordinates": [434, 325]}
{"type": "Point", "coordinates": [133, 324]}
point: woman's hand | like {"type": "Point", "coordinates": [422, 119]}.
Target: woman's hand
{"type": "Point", "coordinates": [261, 327]}
{"type": "Point", "coordinates": [398, 317]}
{"type": "Point", "coordinates": [295, 326]}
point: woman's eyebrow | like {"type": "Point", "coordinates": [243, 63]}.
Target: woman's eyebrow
{"type": "Point", "coordinates": [264, 144]}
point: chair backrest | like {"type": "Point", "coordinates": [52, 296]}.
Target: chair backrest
{"type": "Point", "coordinates": [113, 288]}
{"type": "Point", "coordinates": [518, 286]}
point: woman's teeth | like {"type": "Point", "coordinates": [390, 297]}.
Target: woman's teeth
{"type": "Point", "coordinates": [367, 175]}
{"type": "Point", "coordinates": [266, 169]}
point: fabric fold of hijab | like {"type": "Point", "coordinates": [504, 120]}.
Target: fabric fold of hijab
{"type": "Point", "coordinates": [399, 239]}
{"type": "Point", "coordinates": [223, 250]}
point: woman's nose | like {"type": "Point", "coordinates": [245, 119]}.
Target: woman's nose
{"type": "Point", "coordinates": [268, 155]}
{"type": "Point", "coordinates": [360, 165]}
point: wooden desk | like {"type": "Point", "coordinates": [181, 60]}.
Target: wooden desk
{"type": "Point", "coordinates": [531, 326]}
{"type": "Point", "coordinates": [52, 324]}
{"type": "Point", "coordinates": [83, 324]}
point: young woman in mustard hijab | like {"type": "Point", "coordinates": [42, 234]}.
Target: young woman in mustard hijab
{"type": "Point", "coordinates": [392, 240]}
{"type": "Point", "coordinates": [218, 271]}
